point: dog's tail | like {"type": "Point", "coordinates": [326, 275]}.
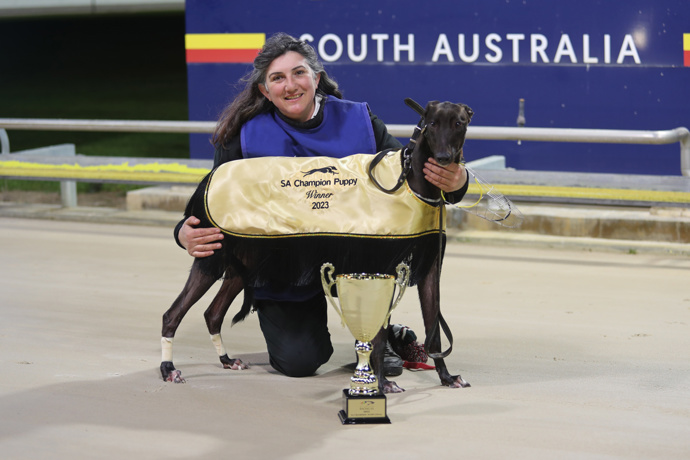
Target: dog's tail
{"type": "Point", "coordinates": [246, 305]}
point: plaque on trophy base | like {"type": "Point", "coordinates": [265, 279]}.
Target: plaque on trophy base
{"type": "Point", "coordinates": [363, 409]}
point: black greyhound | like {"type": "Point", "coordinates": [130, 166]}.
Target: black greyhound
{"type": "Point", "coordinates": [440, 134]}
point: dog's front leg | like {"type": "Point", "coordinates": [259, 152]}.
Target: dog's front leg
{"type": "Point", "coordinates": [379, 344]}
{"type": "Point", "coordinates": [429, 299]}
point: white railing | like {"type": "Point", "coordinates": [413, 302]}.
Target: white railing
{"type": "Point", "coordinates": [606, 136]}
{"type": "Point", "coordinates": [612, 136]}
{"type": "Point", "coordinates": [142, 126]}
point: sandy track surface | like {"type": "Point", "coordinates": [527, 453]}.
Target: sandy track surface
{"type": "Point", "coordinates": [570, 355]}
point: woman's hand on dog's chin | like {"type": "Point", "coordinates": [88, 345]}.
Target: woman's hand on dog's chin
{"type": "Point", "coordinates": [199, 242]}
{"type": "Point", "coordinates": [449, 178]}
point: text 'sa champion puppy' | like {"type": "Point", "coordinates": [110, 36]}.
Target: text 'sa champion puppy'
{"type": "Point", "coordinates": [248, 260]}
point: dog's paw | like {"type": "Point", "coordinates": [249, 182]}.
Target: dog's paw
{"type": "Point", "coordinates": [233, 363]}
{"type": "Point", "coordinates": [175, 376]}
{"type": "Point", "coordinates": [170, 374]}
{"type": "Point", "coordinates": [391, 387]}
{"type": "Point", "coordinates": [455, 381]}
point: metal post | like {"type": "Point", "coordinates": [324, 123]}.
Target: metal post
{"type": "Point", "coordinates": [4, 142]}
{"type": "Point", "coordinates": [68, 193]}
{"type": "Point", "coordinates": [684, 136]}
{"type": "Point", "coordinates": [68, 188]}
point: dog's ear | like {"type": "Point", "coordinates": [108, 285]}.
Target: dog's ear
{"type": "Point", "coordinates": [429, 106]}
{"type": "Point", "coordinates": [469, 111]}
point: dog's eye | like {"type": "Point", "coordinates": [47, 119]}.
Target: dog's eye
{"type": "Point", "coordinates": [432, 123]}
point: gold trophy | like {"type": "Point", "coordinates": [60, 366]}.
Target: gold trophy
{"type": "Point", "coordinates": [366, 303]}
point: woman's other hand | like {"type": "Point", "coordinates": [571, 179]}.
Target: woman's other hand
{"type": "Point", "coordinates": [448, 178]}
{"type": "Point", "coordinates": [199, 242]}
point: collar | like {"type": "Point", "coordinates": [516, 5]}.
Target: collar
{"type": "Point", "coordinates": [429, 201]}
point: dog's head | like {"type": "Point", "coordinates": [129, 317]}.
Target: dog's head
{"type": "Point", "coordinates": [445, 127]}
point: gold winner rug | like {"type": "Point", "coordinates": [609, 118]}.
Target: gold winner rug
{"type": "Point", "coordinates": [273, 197]}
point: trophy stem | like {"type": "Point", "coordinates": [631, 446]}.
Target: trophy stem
{"type": "Point", "coordinates": [364, 381]}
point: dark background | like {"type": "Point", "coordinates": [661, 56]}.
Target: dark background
{"type": "Point", "coordinates": [96, 67]}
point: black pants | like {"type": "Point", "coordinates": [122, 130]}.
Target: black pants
{"type": "Point", "coordinates": [296, 334]}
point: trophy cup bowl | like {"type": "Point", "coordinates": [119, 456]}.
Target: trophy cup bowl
{"type": "Point", "coordinates": [366, 302]}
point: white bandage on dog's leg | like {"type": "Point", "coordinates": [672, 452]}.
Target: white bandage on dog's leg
{"type": "Point", "coordinates": [218, 343]}
{"type": "Point", "coordinates": [166, 348]}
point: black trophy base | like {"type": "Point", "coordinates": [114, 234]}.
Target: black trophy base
{"type": "Point", "coordinates": [363, 409]}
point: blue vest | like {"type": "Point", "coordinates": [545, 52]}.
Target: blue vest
{"type": "Point", "coordinates": [345, 130]}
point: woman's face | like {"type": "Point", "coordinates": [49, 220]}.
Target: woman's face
{"type": "Point", "coordinates": [291, 86]}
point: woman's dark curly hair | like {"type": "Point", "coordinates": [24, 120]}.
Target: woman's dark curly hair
{"type": "Point", "coordinates": [250, 102]}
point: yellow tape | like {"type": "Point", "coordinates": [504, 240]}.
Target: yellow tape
{"type": "Point", "coordinates": [150, 172]}
{"type": "Point", "coordinates": [180, 173]}
{"type": "Point", "coordinates": [513, 191]}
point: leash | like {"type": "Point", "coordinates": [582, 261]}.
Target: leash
{"type": "Point", "coordinates": [406, 154]}
{"type": "Point", "coordinates": [439, 321]}
{"type": "Point", "coordinates": [407, 166]}
{"type": "Point", "coordinates": [406, 158]}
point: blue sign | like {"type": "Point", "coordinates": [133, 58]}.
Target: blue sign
{"type": "Point", "coordinates": [599, 64]}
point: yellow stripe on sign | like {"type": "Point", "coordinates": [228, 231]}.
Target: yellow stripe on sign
{"type": "Point", "coordinates": [686, 42]}
{"type": "Point", "coordinates": [513, 191]}
{"type": "Point", "coordinates": [224, 41]}
{"type": "Point", "coordinates": [151, 172]}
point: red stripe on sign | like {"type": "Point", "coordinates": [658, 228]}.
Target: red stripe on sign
{"type": "Point", "coordinates": [227, 56]}
{"type": "Point", "coordinates": [687, 58]}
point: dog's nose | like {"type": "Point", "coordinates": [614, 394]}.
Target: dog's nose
{"type": "Point", "coordinates": [444, 158]}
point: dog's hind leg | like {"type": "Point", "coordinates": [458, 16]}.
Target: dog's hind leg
{"type": "Point", "coordinates": [431, 312]}
{"type": "Point", "coordinates": [215, 314]}
{"type": "Point", "coordinates": [197, 285]}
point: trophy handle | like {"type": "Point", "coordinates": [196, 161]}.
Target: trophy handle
{"type": "Point", "coordinates": [327, 271]}
{"type": "Point", "coordinates": [403, 271]}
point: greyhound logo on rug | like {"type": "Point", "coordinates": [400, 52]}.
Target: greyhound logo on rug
{"type": "Point", "coordinates": [326, 170]}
